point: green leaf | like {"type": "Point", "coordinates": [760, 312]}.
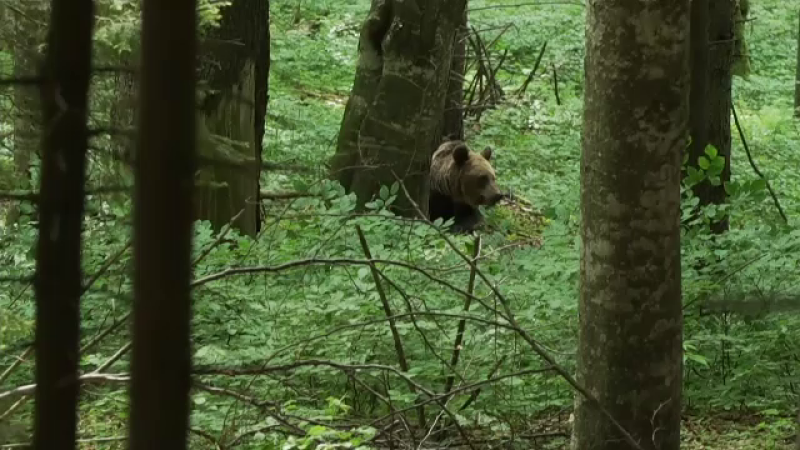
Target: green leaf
{"type": "Point", "coordinates": [699, 359]}
{"type": "Point", "coordinates": [759, 185]}
{"type": "Point", "coordinates": [703, 163]}
{"type": "Point", "coordinates": [711, 151]}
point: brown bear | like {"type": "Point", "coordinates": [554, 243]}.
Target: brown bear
{"type": "Point", "coordinates": [460, 181]}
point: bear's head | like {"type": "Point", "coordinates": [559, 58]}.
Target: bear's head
{"type": "Point", "coordinates": [477, 180]}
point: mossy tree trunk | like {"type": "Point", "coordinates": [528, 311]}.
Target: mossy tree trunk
{"type": "Point", "coordinates": [631, 324]}
{"type": "Point", "coordinates": [721, 57]}
{"type": "Point", "coordinates": [395, 108]}
{"type": "Point", "coordinates": [235, 66]}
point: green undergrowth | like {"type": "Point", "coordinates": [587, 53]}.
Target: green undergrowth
{"type": "Point", "coordinates": [313, 298]}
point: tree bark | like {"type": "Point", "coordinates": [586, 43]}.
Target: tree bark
{"type": "Point", "coordinates": [721, 58]}
{"type": "Point", "coordinates": [741, 53]}
{"type": "Point", "coordinates": [698, 97]}
{"type": "Point", "coordinates": [236, 66]}
{"type": "Point", "coordinates": [395, 108]}
{"type": "Point", "coordinates": [66, 74]}
{"type": "Point", "coordinates": [635, 120]}
{"type": "Point", "coordinates": [164, 188]}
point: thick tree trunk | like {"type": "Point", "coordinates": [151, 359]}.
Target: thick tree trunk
{"type": "Point", "coordinates": [635, 120]}
{"type": "Point", "coordinates": [236, 66]}
{"type": "Point", "coordinates": [58, 284]}
{"type": "Point", "coordinates": [721, 58]}
{"type": "Point", "coordinates": [393, 116]}
{"type": "Point", "coordinates": [162, 233]}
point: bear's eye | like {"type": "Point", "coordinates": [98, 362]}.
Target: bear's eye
{"type": "Point", "coordinates": [483, 180]}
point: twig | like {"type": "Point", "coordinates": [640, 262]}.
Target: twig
{"type": "Point", "coordinates": [518, 5]}
{"type": "Point", "coordinates": [528, 80]}
{"type": "Point", "coordinates": [106, 265]}
{"type": "Point", "coordinates": [100, 440]}
{"type": "Point", "coordinates": [218, 240]}
{"type": "Point", "coordinates": [555, 85]}
{"type": "Point", "coordinates": [477, 392]}
{"type": "Point", "coordinates": [398, 342]}
{"type": "Point", "coordinates": [462, 324]}
{"type": "Point", "coordinates": [755, 168]}
{"type": "Point", "coordinates": [264, 195]}
{"type": "Point", "coordinates": [87, 378]}
{"type": "Point", "coordinates": [19, 359]}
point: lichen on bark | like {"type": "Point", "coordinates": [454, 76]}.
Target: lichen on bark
{"type": "Point", "coordinates": [635, 119]}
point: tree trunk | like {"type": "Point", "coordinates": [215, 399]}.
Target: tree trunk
{"type": "Point", "coordinates": [635, 120]}
{"type": "Point", "coordinates": [162, 233]}
{"type": "Point", "coordinates": [797, 85]}
{"type": "Point", "coordinates": [741, 54]}
{"type": "Point", "coordinates": [453, 120]}
{"type": "Point", "coordinates": [58, 283]}
{"type": "Point", "coordinates": [236, 67]}
{"type": "Point", "coordinates": [698, 97]}
{"type": "Point", "coordinates": [395, 108]}
{"type": "Point", "coordinates": [721, 58]}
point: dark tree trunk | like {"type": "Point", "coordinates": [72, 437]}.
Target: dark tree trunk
{"type": "Point", "coordinates": [236, 66]}
{"type": "Point", "coordinates": [721, 58]}
{"type": "Point", "coordinates": [395, 109]}
{"type": "Point", "coordinates": [698, 97]}
{"type": "Point", "coordinates": [164, 187]}
{"type": "Point", "coordinates": [631, 324]}
{"type": "Point", "coordinates": [453, 120]}
{"type": "Point", "coordinates": [58, 284]}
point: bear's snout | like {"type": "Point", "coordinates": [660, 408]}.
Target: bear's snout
{"type": "Point", "coordinates": [495, 198]}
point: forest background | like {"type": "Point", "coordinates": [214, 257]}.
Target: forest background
{"type": "Point", "coordinates": [742, 362]}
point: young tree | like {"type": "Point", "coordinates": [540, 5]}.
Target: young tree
{"type": "Point", "coordinates": [58, 282]}
{"type": "Point", "coordinates": [635, 120]}
{"type": "Point", "coordinates": [235, 65]}
{"type": "Point", "coordinates": [394, 112]}
{"type": "Point", "coordinates": [162, 236]}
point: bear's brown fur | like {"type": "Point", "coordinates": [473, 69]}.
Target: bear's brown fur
{"type": "Point", "coordinates": [460, 182]}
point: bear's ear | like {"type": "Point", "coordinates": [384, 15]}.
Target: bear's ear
{"type": "Point", "coordinates": [487, 153]}
{"type": "Point", "coordinates": [461, 154]}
